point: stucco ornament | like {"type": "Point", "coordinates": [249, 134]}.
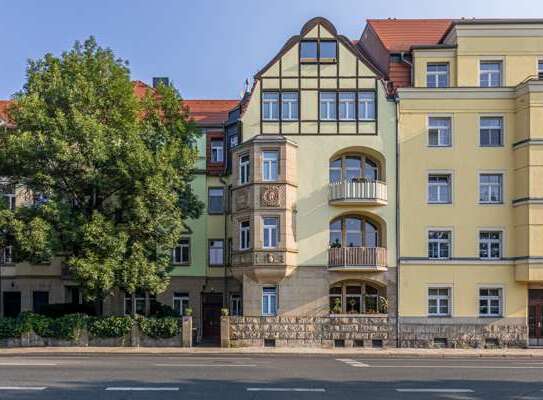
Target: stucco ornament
{"type": "Point", "coordinates": [269, 196]}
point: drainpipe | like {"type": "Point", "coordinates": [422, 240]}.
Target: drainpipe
{"type": "Point", "coordinates": [397, 102]}
{"type": "Point", "coordinates": [226, 195]}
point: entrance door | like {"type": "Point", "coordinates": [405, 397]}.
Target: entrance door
{"type": "Point", "coordinates": [12, 304]}
{"type": "Point", "coordinates": [535, 317]}
{"type": "Point", "coordinates": [211, 317]}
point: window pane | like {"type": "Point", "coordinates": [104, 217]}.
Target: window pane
{"type": "Point", "coordinates": [366, 105]}
{"type": "Point", "coordinates": [346, 106]}
{"type": "Point", "coordinates": [328, 105]}
{"type": "Point", "coordinates": [328, 49]}
{"type": "Point", "coordinates": [289, 109]}
{"type": "Point", "coordinates": [308, 49]}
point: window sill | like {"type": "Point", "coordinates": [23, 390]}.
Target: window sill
{"type": "Point", "coordinates": [215, 213]}
{"type": "Point", "coordinates": [490, 203]}
{"type": "Point", "coordinates": [181, 264]}
{"type": "Point", "coordinates": [216, 265]}
{"type": "Point", "coordinates": [439, 316]}
{"type": "Point", "coordinates": [439, 203]}
{"type": "Point", "coordinates": [269, 120]}
{"type": "Point", "coordinates": [448, 146]}
{"type": "Point", "coordinates": [491, 316]}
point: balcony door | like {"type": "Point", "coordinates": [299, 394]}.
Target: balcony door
{"type": "Point", "coordinates": [354, 231]}
{"type": "Point", "coordinates": [353, 167]}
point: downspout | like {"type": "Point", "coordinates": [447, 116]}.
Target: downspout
{"type": "Point", "coordinates": [397, 102]}
{"type": "Point", "coordinates": [226, 196]}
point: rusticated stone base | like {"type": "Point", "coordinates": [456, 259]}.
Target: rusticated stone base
{"type": "Point", "coordinates": [348, 331]}
{"type": "Point", "coordinates": [458, 333]}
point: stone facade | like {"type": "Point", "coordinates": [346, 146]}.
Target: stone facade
{"type": "Point", "coordinates": [341, 331]}
{"type": "Point", "coordinates": [455, 333]}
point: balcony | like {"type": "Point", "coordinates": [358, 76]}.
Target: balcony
{"type": "Point", "coordinates": [363, 191]}
{"type": "Point", "coordinates": [357, 259]}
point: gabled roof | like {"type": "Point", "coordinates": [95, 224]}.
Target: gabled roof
{"type": "Point", "coordinates": [210, 112]}
{"type": "Point", "coordinates": [399, 35]}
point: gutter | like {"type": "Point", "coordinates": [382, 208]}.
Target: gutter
{"type": "Point", "coordinates": [397, 101]}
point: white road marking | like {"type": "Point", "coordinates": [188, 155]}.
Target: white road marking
{"type": "Point", "coordinates": [142, 389]}
{"type": "Point", "coordinates": [23, 387]}
{"type": "Point", "coordinates": [208, 358]}
{"type": "Point", "coordinates": [286, 390]}
{"type": "Point", "coordinates": [455, 366]}
{"type": "Point", "coordinates": [26, 364]}
{"type": "Point", "coordinates": [352, 363]}
{"type": "Point", "coordinates": [434, 390]}
{"type": "Point", "coordinates": [206, 365]}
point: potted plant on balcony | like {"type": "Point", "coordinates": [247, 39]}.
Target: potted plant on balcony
{"type": "Point", "coordinates": [336, 244]}
{"type": "Point", "coordinates": [336, 308]}
{"type": "Point", "coordinates": [382, 305]}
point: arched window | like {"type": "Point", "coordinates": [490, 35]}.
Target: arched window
{"type": "Point", "coordinates": [354, 231]}
{"type": "Point", "coordinates": [357, 298]}
{"type": "Point", "coordinates": [351, 167]}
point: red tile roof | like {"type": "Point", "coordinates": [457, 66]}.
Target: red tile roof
{"type": "Point", "coordinates": [210, 111]}
{"type": "Point", "coordinates": [400, 34]}
{"type": "Point", "coordinates": [4, 110]}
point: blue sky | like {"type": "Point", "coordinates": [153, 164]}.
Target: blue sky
{"type": "Point", "coordinates": [207, 47]}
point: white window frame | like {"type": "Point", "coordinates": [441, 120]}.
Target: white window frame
{"type": "Point", "coordinates": [184, 302]}
{"type": "Point", "coordinates": [11, 197]}
{"type": "Point", "coordinates": [489, 186]}
{"type": "Point", "coordinates": [330, 106]}
{"type": "Point", "coordinates": [270, 231]}
{"type": "Point", "coordinates": [488, 299]}
{"type": "Point", "coordinates": [366, 105]}
{"type": "Point", "coordinates": [502, 129]}
{"type": "Point", "coordinates": [7, 255]}
{"type": "Point", "coordinates": [436, 74]}
{"type": "Point", "coordinates": [128, 297]}
{"type": "Point", "coordinates": [539, 68]}
{"type": "Point", "coordinates": [245, 235]}
{"type": "Point", "coordinates": [181, 246]}
{"type": "Point", "coordinates": [269, 293]}
{"type": "Point", "coordinates": [216, 252]}
{"type": "Point", "coordinates": [430, 184]}
{"type": "Point", "coordinates": [268, 105]}
{"type": "Point", "coordinates": [441, 131]}
{"type": "Point", "coordinates": [489, 73]}
{"type": "Point", "coordinates": [439, 242]}
{"type": "Point", "coordinates": [489, 243]}
{"type": "Point", "coordinates": [268, 163]}
{"type": "Point", "coordinates": [244, 169]}
{"type": "Point", "coordinates": [209, 196]}
{"type": "Point", "coordinates": [439, 298]}
{"type": "Point", "coordinates": [290, 105]}
{"type": "Point", "coordinates": [217, 150]}
{"type": "Point", "coordinates": [235, 304]}
{"type": "Point", "coordinates": [349, 104]}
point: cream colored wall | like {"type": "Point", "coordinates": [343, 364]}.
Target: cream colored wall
{"type": "Point", "coordinates": [465, 281]}
{"type": "Point", "coordinates": [422, 58]}
{"type": "Point", "coordinates": [464, 160]}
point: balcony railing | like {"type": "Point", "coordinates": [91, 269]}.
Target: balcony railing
{"type": "Point", "coordinates": [359, 191]}
{"type": "Point", "coordinates": [371, 258]}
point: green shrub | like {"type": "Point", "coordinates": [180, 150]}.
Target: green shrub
{"type": "Point", "coordinates": [159, 327]}
{"type": "Point", "coordinates": [107, 327]}
{"type": "Point", "coordinates": [66, 327]}
{"type": "Point", "coordinates": [9, 328]}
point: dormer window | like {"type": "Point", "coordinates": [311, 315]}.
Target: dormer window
{"type": "Point", "coordinates": [312, 51]}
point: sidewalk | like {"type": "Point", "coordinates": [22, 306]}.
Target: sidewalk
{"type": "Point", "coordinates": [387, 353]}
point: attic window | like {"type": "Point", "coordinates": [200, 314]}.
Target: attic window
{"type": "Point", "coordinates": [312, 51]}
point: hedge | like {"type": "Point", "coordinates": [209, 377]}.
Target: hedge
{"type": "Point", "coordinates": [68, 327]}
{"type": "Point", "coordinates": [109, 327]}
{"type": "Point", "coordinates": [159, 327]}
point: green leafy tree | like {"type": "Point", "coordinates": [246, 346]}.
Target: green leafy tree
{"type": "Point", "coordinates": [105, 174]}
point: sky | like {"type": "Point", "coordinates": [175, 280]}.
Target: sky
{"type": "Point", "coordinates": [208, 48]}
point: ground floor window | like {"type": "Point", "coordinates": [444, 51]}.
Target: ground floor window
{"type": "Point", "coordinates": [357, 298]}
{"type": "Point", "coordinates": [139, 303]}
{"type": "Point", "coordinates": [235, 304]}
{"type": "Point", "coordinates": [490, 302]}
{"type": "Point", "coordinates": [40, 299]}
{"type": "Point", "coordinates": [439, 302]}
{"type": "Point", "coordinates": [181, 302]}
{"type": "Point", "coordinates": [269, 301]}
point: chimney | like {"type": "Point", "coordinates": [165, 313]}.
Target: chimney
{"type": "Point", "coordinates": [161, 79]}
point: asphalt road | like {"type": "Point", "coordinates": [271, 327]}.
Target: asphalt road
{"type": "Point", "coordinates": [263, 377]}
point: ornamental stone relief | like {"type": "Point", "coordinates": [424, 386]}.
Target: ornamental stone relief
{"type": "Point", "coordinates": [270, 196]}
{"type": "Point", "coordinates": [242, 199]}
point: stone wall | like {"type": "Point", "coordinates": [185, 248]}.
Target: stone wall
{"type": "Point", "coordinates": [135, 338]}
{"type": "Point", "coordinates": [330, 331]}
{"type": "Point", "coordinates": [463, 334]}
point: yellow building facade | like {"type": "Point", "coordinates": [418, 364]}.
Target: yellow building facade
{"type": "Point", "coordinates": [470, 130]}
